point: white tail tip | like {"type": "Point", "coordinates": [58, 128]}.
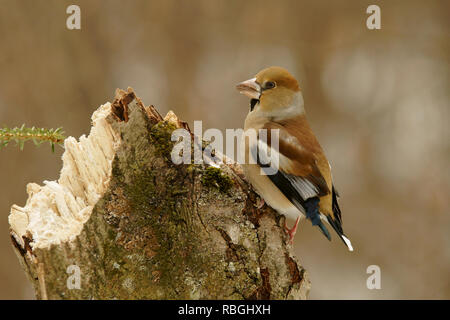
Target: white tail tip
{"type": "Point", "coordinates": [348, 243]}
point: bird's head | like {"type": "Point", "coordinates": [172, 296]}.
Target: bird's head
{"type": "Point", "coordinates": [272, 90]}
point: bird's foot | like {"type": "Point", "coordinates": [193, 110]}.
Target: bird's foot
{"type": "Point", "coordinates": [260, 203]}
{"type": "Point", "coordinates": [291, 232]}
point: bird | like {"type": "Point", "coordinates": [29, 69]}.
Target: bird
{"type": "Point", "coordinates": [302, 185]}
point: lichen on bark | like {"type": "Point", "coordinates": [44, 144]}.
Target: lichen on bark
{"type": "Point", "coordinates": [166, 231]}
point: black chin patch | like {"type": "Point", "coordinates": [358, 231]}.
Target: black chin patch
{"type": "Point", "coordinates": [253, 103]}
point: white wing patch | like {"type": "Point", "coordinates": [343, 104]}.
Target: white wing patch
{"type": "Point", "coordinates": [303, 186]}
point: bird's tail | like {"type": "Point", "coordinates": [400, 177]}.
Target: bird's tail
{"type": "Point", "coordinates": [339, 231]}
{"type": "Point", "coordinates": [312, 213]}
{"type": "Point", "coordinates": [317, 219]}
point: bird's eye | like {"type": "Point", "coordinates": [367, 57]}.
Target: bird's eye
{"type": "Point", "coordinates": [269, 85]}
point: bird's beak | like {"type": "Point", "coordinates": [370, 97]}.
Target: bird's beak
{"type": "Point", "coordinates": [250, 88]}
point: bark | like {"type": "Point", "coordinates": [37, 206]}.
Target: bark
{"type": "Point", "coordinates": [140, 227]}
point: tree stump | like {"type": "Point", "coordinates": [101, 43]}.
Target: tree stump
{"type": "Point", "coordinates": [124, 222]}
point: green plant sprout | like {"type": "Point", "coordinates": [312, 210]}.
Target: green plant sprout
{"type": "Point", "coordinates": [37, 135]}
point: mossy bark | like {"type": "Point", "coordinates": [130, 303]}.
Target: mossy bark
{"type": "Point", "coordinates": [165, 231]}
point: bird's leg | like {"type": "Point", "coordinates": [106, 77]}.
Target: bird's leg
{"type": "Point", "coordinates": [291, 232]}
{"type": "Point", "coordinates": [260, 203]}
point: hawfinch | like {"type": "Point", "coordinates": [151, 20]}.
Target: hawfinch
{"type": "Point", "coordinates": [302, 184]}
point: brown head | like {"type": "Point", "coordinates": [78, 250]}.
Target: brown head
{"type": "Point", "coordinates": [271, 89]}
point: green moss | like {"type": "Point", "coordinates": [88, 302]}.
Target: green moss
{"type": "Point", "coordinates": [214, 178]}
{"type": "Point", "coordinates": [161, 134]}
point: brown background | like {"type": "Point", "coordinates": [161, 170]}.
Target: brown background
{"type": "Point", "coordinates": [377, 100]}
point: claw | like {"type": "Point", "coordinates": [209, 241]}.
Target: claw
{"type": "Point", "coordinates": [291, 232]}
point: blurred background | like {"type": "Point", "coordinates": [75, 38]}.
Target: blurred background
{"type": "Point", "coordinates": [378, 100]}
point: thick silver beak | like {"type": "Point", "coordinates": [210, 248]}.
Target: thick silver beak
{"type": "Point", "coordinates": [250, 88]}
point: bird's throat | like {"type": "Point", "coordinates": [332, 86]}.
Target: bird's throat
{"type": "Point", "coordinates": [253, 103]}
